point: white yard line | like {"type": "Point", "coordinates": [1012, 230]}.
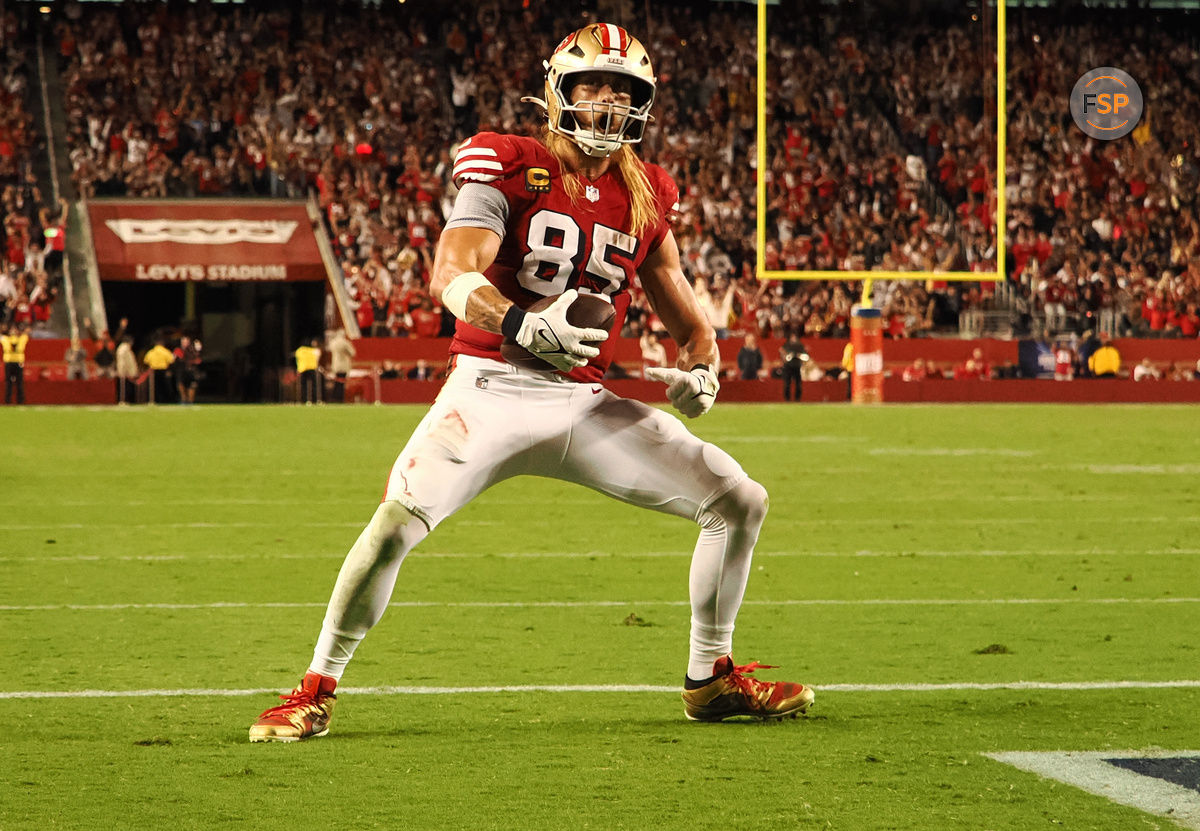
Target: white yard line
{"type": "Point", "coordinates": [1063, 686]}
{"type": "Point", "coordinates": [985, 552]}
{"type": "Point", "coordinates": [367, 505]}
{"type": "Point", "coordinates": [1151, 470]}
{"type": "Point", "coordinates": [631, 604]}
{"type": "Point", "coordinates": [590, 555]}
{"type": "Point", "coordinates": [171, 526]}
{"type": "Point", "coordinates": [822, 523]}
{"type": "Point", "coordinates": [951, 451]}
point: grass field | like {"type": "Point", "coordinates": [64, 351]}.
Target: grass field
{"type": "Point", "coordinates": [164, 571]}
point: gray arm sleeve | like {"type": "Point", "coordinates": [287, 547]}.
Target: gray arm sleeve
{"type": "Point", "coordinates": [479, 206]}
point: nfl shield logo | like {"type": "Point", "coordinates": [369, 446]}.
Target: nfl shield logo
{"type": "Point", "coordinates": [592, 193]}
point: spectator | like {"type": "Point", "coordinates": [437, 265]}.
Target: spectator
{"type": "Point", "coordinates": [750, 359]}
{"type": "Point", "coordinates": [158, 360]}
{"type": "Point", "coordinates": [1185, 320]}
{"type": "Point", "coordinates": [56, 241]}
{"type": "Point", "coordinates": [983, 367]}
{"type": "Point", "coordinates": [1105, 361]}
{"type": "Point", "coordinates": [13, 342]}
{"type": "Point", "coordinates": [653, 352]}
{"type": "Point", "coordinates": [812, 371]}
{"type": "Point", "coordinates": [426, 319]}
{"type": "Point", "coordinates": [1178, 372]}
{"type": "Point", "coordinates": [1146, 371]}
{"type": "Point", "coordinates": [717, 305]}
{"type": "Point", "coordinates": [968, 370]}
{"type": "Point", "coordinates": [8, 294]}
{"type": "Point", "coordinates": [792, 357]}
{"type": "Point", "coordinates": [187, 368]}
{"type": "Point", "coordinates": [1090, 343]}
{"type": "Point", "coordinates": [1064, 362]}
{"type": "Point", "coordinates": [915, 371]}
{"type": "Point", "coordinates": [421, 371]}
{"type": "Point", "coordinates": [76, 359]}
{"type": "Point", "coordinates": [847, 372]}
{"type": "Point", "coordinates": [127, 372]}
{"type": "Point", "coordinates": [341, 360]}
{"type": "Point", "coordinates": [308, 359]}
{"type": "Point", "coordinates": [105, 357]}
{"type": "Point", "coordinates": [389, 371]}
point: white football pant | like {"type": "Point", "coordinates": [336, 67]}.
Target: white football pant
{"type": "Point", "coordinates": [492, 421]}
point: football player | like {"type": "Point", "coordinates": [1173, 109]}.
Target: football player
{"type": "Point", "coordinates": [575, 211]}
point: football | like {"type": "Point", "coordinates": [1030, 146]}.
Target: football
{"type": "Point", "coordinates": [589, 311]}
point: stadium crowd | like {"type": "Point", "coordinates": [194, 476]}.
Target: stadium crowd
{"type": "Point", "coordinates": [34, 229]}
{"type": "Point", "coordinates": [1106, 233]}
{"type": "Point", "coordinates": [881, 151]}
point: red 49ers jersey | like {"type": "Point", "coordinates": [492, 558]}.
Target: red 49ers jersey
{"type": "Point", "coordinates": [552, 244]}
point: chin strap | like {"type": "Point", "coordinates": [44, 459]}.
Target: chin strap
{"type": "Point", "coordinates": [530, 99]}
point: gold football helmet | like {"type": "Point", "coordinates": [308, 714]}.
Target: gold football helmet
{"type": "Point", "coordinates": [599, 127]}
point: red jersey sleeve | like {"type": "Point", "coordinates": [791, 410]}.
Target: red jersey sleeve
{"type": "Point", "coordinates": [489, 158]}
{"type": "Point", "coordinates": [666, 192]}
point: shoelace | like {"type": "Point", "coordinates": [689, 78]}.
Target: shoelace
{"type": "Point", "coordinates": [296, 698]}
{"type": "Point", "coordinates": [740, 677]}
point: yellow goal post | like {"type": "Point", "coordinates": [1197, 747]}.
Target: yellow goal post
{"type": "Point", "coordinates": [869, 276]}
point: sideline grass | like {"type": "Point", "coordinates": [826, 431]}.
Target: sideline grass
{"type": "Point", "coordinates": [948, 509]}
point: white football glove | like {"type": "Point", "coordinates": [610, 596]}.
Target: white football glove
{"type": "Point", "coordinates": [692, 393]}
{"type": "Point", "coordinates": [548, 335]}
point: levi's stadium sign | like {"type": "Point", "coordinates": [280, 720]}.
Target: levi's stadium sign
{"type": "Point", "coordinates": [171, 241]}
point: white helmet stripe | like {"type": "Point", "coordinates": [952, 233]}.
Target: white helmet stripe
{"type": "Point", "coordinates": [613, 38]}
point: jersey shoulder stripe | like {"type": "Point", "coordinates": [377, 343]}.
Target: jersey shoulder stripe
{"type": "Point", "coordinates": [491, 157]}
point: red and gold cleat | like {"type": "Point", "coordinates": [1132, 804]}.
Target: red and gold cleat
{"type": "Point", "coordinates": [731, 692]}
{"type": "Point", "coordinates": [304, 713]}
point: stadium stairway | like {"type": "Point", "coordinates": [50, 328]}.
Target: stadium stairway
{"type": "Point", "coordinates": [81, 298]}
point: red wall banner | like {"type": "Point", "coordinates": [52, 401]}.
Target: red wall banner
{"type": "Point", "coordinates": [186, 240]}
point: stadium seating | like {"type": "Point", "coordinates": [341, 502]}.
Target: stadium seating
{"type": "Point", "coordinates": [880, 140]}
{"type": "Point", "coordinates": [29, 277]}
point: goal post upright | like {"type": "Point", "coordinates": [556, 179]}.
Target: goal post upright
{"type": "Point", "coordinates": [868, 277]}
{"type": "Point", "coordinates": [760, 147]}
{"type": "Point", "coordinates": [1001, 134]}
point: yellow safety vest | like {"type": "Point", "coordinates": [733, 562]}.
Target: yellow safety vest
{"type": "Point", "coordinates": [1105, 360]}
{"type": "Point", "coordinates": [159, 357]}
{"type": "Point", "coordinates": [307, 358]}
{"type": "Point", "coordinates": [14, 348]}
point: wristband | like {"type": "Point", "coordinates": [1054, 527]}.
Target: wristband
{"type": "Point", "coordinates": [454, 296]}
{"type": "Point", "coordinates": [705, 367]}
{"type": "Point", "coordinates": [511, 325]}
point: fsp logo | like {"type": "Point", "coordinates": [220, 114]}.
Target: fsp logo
{"type": "Point", "coordinates": [1106, 103]}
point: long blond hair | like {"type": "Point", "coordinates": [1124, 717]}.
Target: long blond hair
{"type": "Point", "coordinates": [643, 206]}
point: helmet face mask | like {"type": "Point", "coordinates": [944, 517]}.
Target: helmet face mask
{"type": "Point", "coordinates": [598, 55]}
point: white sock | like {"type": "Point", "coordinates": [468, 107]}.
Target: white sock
{"type": "Point", "coordinates": [364, 585]}
{"type": "Point", "coordinates": [708, 645]}
{"type": "Point", "coordinates": [333, 651]}
{"type": "Point", "coordinates": [720, 569]}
